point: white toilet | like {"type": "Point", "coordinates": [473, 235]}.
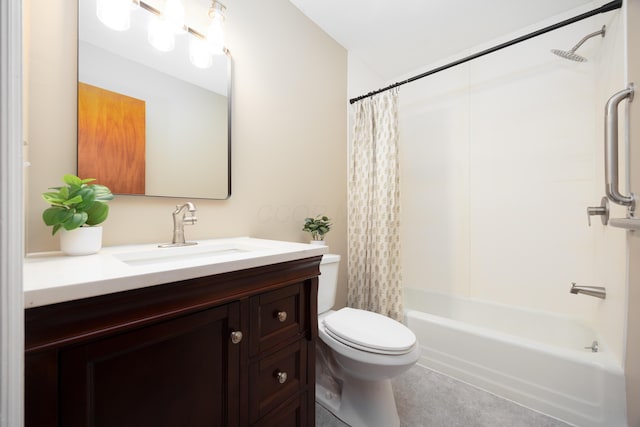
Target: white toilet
{"type": "Point", "coordinates": [357, 354]}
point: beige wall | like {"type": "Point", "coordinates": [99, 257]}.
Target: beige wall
{"type": "Point", "coordinates": [288, 129]}
{"type": "Point", "coordinates": [632, 368]}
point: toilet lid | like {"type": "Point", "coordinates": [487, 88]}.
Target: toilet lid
{"type": "Point", "coordinates": [369, 331]}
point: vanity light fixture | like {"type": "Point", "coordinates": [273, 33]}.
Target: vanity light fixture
{"type": "Point", "coordinates": [174, 14]}
{"type": "Point", "coordinates": [199, 54]}
{"type": "Point", "coordinates": [161, 34]}
{"type": "Point", "coordinates": [202, 48]}
{"type": "Point", "coordinates": [215, 32]}
{"type": "Point", "coordinates": [115, 14]}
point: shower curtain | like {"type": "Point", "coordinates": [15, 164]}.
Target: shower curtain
{"type": "Point", "coordinates": [374, 209]}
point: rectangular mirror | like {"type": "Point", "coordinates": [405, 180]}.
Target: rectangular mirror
{"type": "Point", "coordinates": [150, 122]}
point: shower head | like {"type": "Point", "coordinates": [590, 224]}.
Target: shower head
{"type": "Point", "coordinates": [568, 54]}
{"type": "Point", "coordinates": [571, 54]}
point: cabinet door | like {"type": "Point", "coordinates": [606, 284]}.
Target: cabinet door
{"type": "Point", "coordinates": [182, 372]}
{"type": "Point", "coordinates": [292, 414]}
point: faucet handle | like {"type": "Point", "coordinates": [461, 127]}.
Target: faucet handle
{"type": "Point", "coordinates": [593, 347]}
{"type": "Point", "coordinates": [602, 210]}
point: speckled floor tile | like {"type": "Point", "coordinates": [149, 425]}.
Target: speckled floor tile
{"type": "Point", "coordinates": [428, 399]}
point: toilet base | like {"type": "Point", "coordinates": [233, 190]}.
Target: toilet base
{"type": "Point", "coordinates": [361, 403]}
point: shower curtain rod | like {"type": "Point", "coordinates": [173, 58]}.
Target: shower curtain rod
{"type": "Point", "coordinates": [616, 4]}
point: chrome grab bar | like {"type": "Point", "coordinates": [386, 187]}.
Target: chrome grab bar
{"type": "Point", "coordinates": [611, 149]}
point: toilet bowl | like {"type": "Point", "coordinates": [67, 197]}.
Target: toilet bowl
{"type": "Point", "coordinates": [358, 354]}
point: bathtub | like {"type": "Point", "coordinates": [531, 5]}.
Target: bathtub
{"type": "Point", "coordinates": [535, 359]}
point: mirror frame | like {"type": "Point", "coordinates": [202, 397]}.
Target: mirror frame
{"type": "Point", "coordinates": [229, 83]}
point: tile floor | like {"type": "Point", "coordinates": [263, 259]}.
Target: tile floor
{"type": "Point", "coordinates": [428, 399]}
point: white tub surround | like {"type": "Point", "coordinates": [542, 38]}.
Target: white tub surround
{"type": "Point", "coordinates": [51, 277]}
{"type": "Point", "coordinates": [533, 358]}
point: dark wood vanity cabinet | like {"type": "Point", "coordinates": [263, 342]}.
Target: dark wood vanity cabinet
{"type": "Point", "coordinates": [172, 373]}
{"type": "Point", "coordinates": [233, 349]}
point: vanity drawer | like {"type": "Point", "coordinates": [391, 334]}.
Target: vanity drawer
{"type": "Point", "coordinates": [277, 377]}
{"type": "Point", "coordinates": [277, 316]}
{"type": "Point", "coordinates": [292, 413]}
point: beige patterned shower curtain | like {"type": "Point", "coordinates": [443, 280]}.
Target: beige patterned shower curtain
{"type": "Point", "coordinates": [374, 208]}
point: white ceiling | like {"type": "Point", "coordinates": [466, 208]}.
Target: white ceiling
{"type": "Point", "coordinates": [397, 37]}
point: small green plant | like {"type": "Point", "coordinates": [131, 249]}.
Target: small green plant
{"type": "Point", "coordinates": [76, 204]}
{"type": "Point", "coordinates": [318, 226]}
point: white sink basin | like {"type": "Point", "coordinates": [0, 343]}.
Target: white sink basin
{"type": "Point", "coordinates": [184, 253]}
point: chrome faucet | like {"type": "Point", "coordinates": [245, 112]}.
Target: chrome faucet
{"type": "Point", "coordinates": [594, 291]}
{"type": "Point", "coordinates": [180, 218]}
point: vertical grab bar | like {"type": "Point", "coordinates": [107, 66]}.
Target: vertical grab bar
{"type": "Point", "coordinates": [611, 149]}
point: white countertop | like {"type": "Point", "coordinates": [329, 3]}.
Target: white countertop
{"type": "Point", "coordinates": [52, 277]}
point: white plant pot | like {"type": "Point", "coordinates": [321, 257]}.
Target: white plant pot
{"type": "Point", "coordinates": [317, 242]}
{"type": "Point", "coordinates": [81, 241]}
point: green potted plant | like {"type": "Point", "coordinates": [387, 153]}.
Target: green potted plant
{"type": "Point", "coordinates": [318, 227]}
{"type": "Point", "coordinates": [76, 209]}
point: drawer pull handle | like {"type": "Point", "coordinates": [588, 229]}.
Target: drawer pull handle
{"type": "Point", "coordinates": [281, 377]}
{"type": "Point", "coordinates": [236, 337]}
{"type": "Point", "coordinates": [282, 316]}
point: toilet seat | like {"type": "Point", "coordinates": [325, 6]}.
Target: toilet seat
{"type": "Point", "coordinates": [368, 331]}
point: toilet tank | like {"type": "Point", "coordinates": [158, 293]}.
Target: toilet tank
{"type": "Point", "coordinates": [328, 282]}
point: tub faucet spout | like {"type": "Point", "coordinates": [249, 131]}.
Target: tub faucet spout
{"type": "Point", "coordinates": [594, 291]}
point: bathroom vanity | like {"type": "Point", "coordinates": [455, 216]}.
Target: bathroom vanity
{"type": "Point", "coordinates": [222, 338]}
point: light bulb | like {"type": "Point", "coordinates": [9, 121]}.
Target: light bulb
{"type": "Point", "coordinates": [115, 14]}
{"type": "Point", "coordinates": [199, 54]}
{"type": "Point", "coordinates": [174, 14]}
{"type": "Point", "coordinates": [215, 35]}
{"type": "Point", "coordinates": [160, 34]}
